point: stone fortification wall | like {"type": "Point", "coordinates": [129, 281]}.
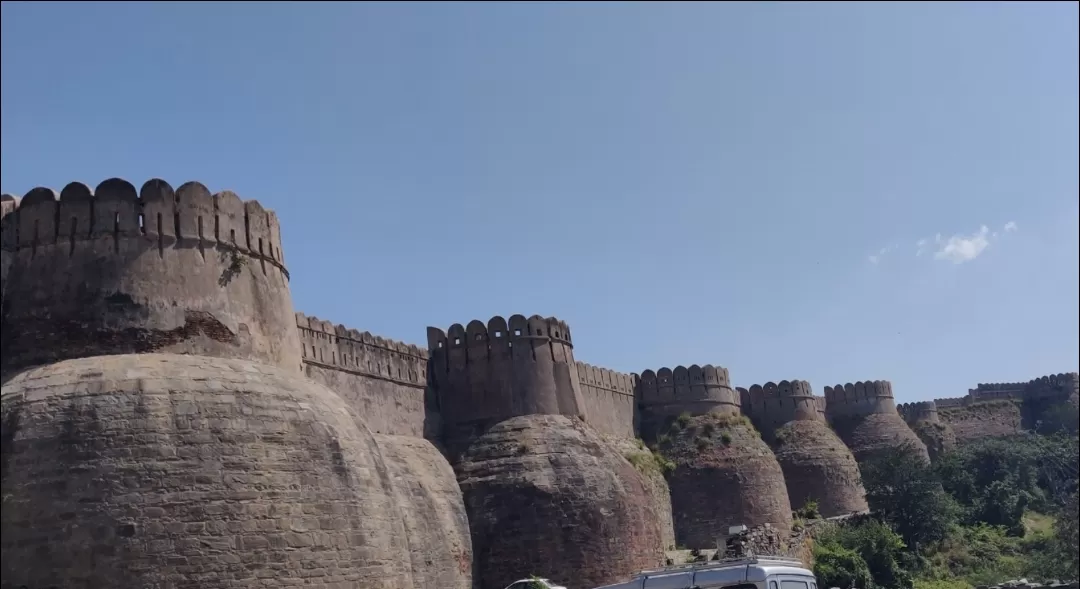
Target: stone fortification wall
{"type": "Point", "coordinates": [864, 415]}
{"type": "Point", "coordinates": [547, 496]}
{"type": "Point", "coordinates": [115, 270]}
{"type": "Point", "coordinates": [484, 374]}
{"type": "Point", "coordinates": [164, 470]}
{"type": "Point", "coordinates": [697, 390]}
{"type": "Point", "coordinates": [432, 510]}
{"type": "Point", "coordinates": [724, 474]}
{"type": "Point", "coordinates": [925, 421]}
{"type": "Point", "coordinates": [383, 380]}
{"type": "Point", "coordinates": [817, 465]}
{"type": "Point", "coordinates": [609, 400]}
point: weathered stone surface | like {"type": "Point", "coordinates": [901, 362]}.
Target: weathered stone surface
{"type": "Point", "coordinates": [939, 437]}
{"type": "Point", "coordinates": [818, 466]}
{"type": "Point", "coordinates": [547, 496]}
{"type": "Point", "coordinates": [991, 419]}
{"type": "Point", "coordinates": [725, 475]}
{"type": "Point", "coordinates": [867, 435]}
{"type": "Point", "coordinates": [175, 471]}
{"type": "Point", "coordinates": [437, 527]}
{"type": "Point", "coordinates": [115, 272]}
{"type": "Point", "coordinates": [656, 485]}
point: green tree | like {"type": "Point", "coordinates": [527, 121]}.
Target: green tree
{"type": "Point", "coordinates": [836, 566]}
{"type": "Point", "coordinates": [878, 546]}
{"type": "Point", "coordinates": [903, 488]}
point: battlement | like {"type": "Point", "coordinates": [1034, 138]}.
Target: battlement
{"type": "Point", "coordinates": [772, 405]}
{"type": "Point", "coordinates": [119, 270]}
{"type": "Point", "coordinates": [609, 397]}
{"type": "Point", "coordinates": [603, 379]}
{"type": "Point", "coordinates": [921, 411]}
{"type": "Point", "coordinates": [187, 217]}
{"type": "Point", "coordinates": [696, 390]}
{"type": "Point", "coordinates": [484, 373]}
{"type": "Point", "coordinates": [860, 398]}
{"type": "Point", "coordinates": [361, 353]}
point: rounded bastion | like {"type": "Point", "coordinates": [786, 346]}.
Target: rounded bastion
{"type": "Point", "coordinates": [864, 415]}
{"type": "Point", "coordinates": [157, 430]}
{"type": "Point", "coordinates": [817, 465]}
{"type": "Point", "coordinates": [923, 418]}
{"type": "Point", "coordinates": [117, 270]}
{"type": "Point", "coordinates": [180, 471]}
{"type": "Point", "coordinates": [724, 475]}
{"type": "Point", "coordinates": [547, 496]}
{"type": "Point", "coordinates": [484, 373]}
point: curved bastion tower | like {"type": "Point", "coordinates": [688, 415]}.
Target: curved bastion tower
{"type": "Point", "coordinates": [544, 492]}
{"type": "Point", "coordinates": [724, 475]}
{"type": "Point", "coordinates": [923, 418]}
{"type": "Point", "coordinates": [817, 465]}
{"type": "Point", "coordinates": [157, 430]}
{"type": "Point", "coordinates": [864, 415]}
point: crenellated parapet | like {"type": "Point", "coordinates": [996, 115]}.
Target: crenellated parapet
{"type": "Point", "coordinates": [483, 374]}
{"type": "Point", "coordinates": [860, 398]}
{"type": "Point", "coordinates": [119, 270]}
{"type": "Point", "coordinates": [609, 402]}
{"type": "Point", "coordinates": [604, 380]}
{"type": "Point", "coordinates": [921, 411]}
{"type": "Point", "coordinates": [361, 353]}
{"type": "Point", "coordinates": [772, 405]}
{"type": "Point", "coordinates": [696, 390]}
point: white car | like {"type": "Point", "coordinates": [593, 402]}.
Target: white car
{"type": "Point", "coordinates": [534, 584]}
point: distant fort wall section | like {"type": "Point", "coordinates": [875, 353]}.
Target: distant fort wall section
{"type": "Point", "coordinates": [385, 381]}
{"type": "Point", "coordinates": [859, 399]}
{"type": "Point", "coordinates": [772, 405]}
{"type": "Point", "coordinates": [1003, 409]}
{"type": "Point", "coordinates": [117, 270]}
{"type": "Point", "coordinates": [921, 411]}
{"type": "Point", "coordinates": [609, 400]}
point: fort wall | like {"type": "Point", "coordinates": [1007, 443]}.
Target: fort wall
{"type": "Point", "coordinates": [697, 390]}
{"type": "Point", "coordinates": [864, 415]}
{"type": "Point", "coordinates": [919, 411]}
{"type": "Point", "coordinates": [608, 398]}
{"type": "Point", "coordinates": [484, 374]}
{"type": "Point", "coordinates": [1004, 409]}
{"type": "Point", "coordinates": [860, 398]}
{"type": "Point", "coordinates": [385, 381]}
{"type": "Point", "coordinates": [115, 270]}
{"type": "Point", "coordinates": [772, 405]}
{"type": "Point", "coordinates": [817, 466]}
{"type": "Point", "coordinates": [924, 420]}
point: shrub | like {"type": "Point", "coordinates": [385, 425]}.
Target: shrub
{"type": "Point", "coordinates": [836, 566]}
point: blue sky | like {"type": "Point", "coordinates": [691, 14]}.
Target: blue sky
{"type": "Point", "coordinates": [739, 184]}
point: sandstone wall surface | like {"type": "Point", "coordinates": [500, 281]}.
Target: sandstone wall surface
{"type": "Point", "coordinates": [114, 271]}
{"type": "Point", "coordinates": [547, 496]}
{"type": "Point", "coordinates": [983, 420]}
{"type": "Point", "coordinates": [818, 466]}
{"type": "Point", "coordinates": [725, 475]}
{"type": "Point", "coordinates": [655, 484]}
{"type": "Point", "coordinates": [436, 525]}
{"type": "Point", "coordinates": [190, 472]}
{"type": "Point", "coordinates": [608, 398]}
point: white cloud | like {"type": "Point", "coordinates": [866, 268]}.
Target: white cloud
{"type": "Point", "coordinates": [959, 248]}
{"type": "Point", "coordinates": [1010, 226]}
{"type": "Point", "coordinates": [875, 258]}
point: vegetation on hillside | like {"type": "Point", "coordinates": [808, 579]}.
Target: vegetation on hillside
{"type": "Point", "coordinates": [990, 511]}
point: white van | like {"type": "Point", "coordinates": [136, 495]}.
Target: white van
{"type": "Point", "coordinates": [764, 572]}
